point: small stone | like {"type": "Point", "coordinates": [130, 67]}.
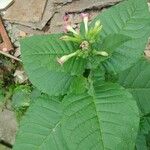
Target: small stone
{"type": "Point", "coordinates": [4, 49]}
{"type": "Point", "coordinates": [20, 76]}
{"type": "Point", "coordinates": [17, 53]}
{"type": "Point", "coordinates": [8, 26]}
{"type": "Point", "coordinates": [8, 126]}
{"type": "Point", "coordinates": [13, 39]}
{"type": "Point", "coordinates": [22, 34]}
{"type": "Point", "coordinates": [147, 53]}
{"type": "Point", "coordinates": [16, 44]}
{"type": "Point", "coordinates": [4, 147]}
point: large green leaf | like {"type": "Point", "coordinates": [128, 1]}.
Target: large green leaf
{"type": "Point", "coordinates": [107, 120]}
{"type": "Point", "coordinates": [130, 18]}
{"type": "Point", "coordinates": [45, 49]}
{"type": "Point", "coordinates": [137, 81]}
{"type": "Point", "coordinates": [39, 54]}
{"type": "Point", "coordinates": [40, 128]}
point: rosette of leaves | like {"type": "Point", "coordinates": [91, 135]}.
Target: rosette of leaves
{"type": "Point", "coordinates": [81, 107]}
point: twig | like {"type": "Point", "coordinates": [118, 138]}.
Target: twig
{"type": "Point", "coordinates": [10, 56]}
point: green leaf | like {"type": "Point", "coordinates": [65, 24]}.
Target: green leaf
{"type": "Point", "coordinates": [137, 80]}
{"type": "Point", "coordinates": [39, 54]}
{"type": "Point", "coordinates": [78, 85]}
{"type": "Point", "coordinates": [130, 18]}
{"type": "Point", "coordinates": [21, 97]}
{"type": "Point", "coordinates": [141, 142]}
{"type": "Point", "coordinates": [40, 128]}
{"type": "Point", "coordinates": [45, 49]}
{"type": "Point", "coordinates": [35, 94]}
{"type": "Point", "coordinates": [144, 131]}
{"type": "Point", "coordinates": [98, 75]}
{"type": "Point", "coordinates": [113, 41]}
{"type": "Point", "coordinates": [108, 120]}
{"type": "Point", "coordinates": [145, 125]}
{"type": "Point", "coordinates": [148, 140]}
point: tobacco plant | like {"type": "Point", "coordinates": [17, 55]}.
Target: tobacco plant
{"type": "Point", "coordinates": [94, 83]}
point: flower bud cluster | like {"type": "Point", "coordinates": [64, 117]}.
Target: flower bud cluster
{"type": "Point", "coordinates": [84, 41]}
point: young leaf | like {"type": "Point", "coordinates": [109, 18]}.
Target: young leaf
{"type": "Point", "coordinates": [39, 55]}
{"type": "Point", "coordinates": [40, 128]}
{"type": "Point", "coordinates": [108, 120]}
{"type": "Point", "coordinates": [130, 18]}
{"type": "Point", "coordinates": [137, 80]}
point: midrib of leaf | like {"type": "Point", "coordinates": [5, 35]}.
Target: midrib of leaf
{"type": "Point", "coordinates": [138, 89]}
{"type": "Point", "coordinates": [130, 17]}
{"type": "Point", "coordinates": [50, 132]}
{"type": "Point", "coordinates": [126, 23]}
{"type": "Point", "coordinates": [54, 136]}
{"type": "Point", "coordinates": [93, 98]}
{"type": "Point", "coordinates": [134, 81]}
{"type": "Point", "coordinates": [43, 54]}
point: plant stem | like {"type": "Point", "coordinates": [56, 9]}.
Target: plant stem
{"type": "Point", "coordinates": [10, 56]}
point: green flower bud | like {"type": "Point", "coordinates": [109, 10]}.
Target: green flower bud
{"type": "Point", "coordinates": [64, 58]}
